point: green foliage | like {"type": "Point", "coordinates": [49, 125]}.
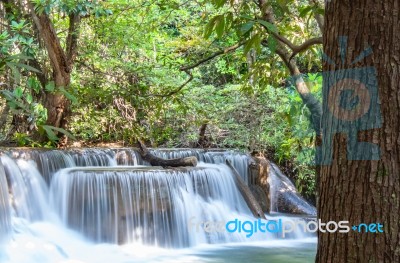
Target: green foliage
{"type": "Point", "coordinates": [127, 80]}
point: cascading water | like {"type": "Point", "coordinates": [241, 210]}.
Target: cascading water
{"type": "Point", "coordinates": [49, 162]}
{"type": "Point", "coordinates": [284, 196]}
{"type": "Point", "coordinates": [5, 212]}
{"type": "Point", "coordinates": [29, 191]}
{"type": "Point", "coordinates": [149, 205]}
{"type": "Point", "coordinates": [60, 202]}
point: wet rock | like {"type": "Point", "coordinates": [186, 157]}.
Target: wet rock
{"type": "Point", "coordinates": [259, 174]}
{"type": "Point", "coordinates": [261, 197]}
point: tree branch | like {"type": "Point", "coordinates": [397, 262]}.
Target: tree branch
{"type": "Point", "coordinates": [173, 92]}
{"type": "Point", "coordinates": [296, 49]}
{"type": "Point", "coordinates": [306, 45]}
{"type": "Point", "coordinates": [72, 37]}
{"type": "Point", "coordinates": [58, 59]}
{"type": "Point", "coordinates": [318, 17]}
{"type": "Point", "coordinates": [308, 99]}
{"type": "Point", "coordinates": [157, 161]}
{"type": "Point", "coordinates": [216, 54]}
{"type": "Point", "coordinates": [268, 16]}
{"type": "Point", "coordinates": [187, 69]}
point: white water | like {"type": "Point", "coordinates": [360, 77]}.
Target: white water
{"type": "Point", "coordinates": [5, 211]}
{"type": "Point", "coordinates": [78, 216]}
{"type": "Point", "coordinates": [284, 195]}
{"type": "Point", "coordinates": [146, 205]}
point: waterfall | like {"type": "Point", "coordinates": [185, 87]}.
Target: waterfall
{"type": "Point", "coordinates": [29, 190]}
{"type": "Point", "coordinates": [65, 200]}
{"type": "Point", "coordinates": [49, 162]}
{"type": "Point", "coordinates": [152, 206]}
{"type": "Point", "coordinates": [284, 196]}
{"type": "Point", "coordinates": [5, 212]}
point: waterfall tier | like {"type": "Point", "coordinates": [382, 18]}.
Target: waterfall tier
{"type": "Point", "coordinates": [112, 196]}
{"type": "Point", "coordinates": [147, 204]}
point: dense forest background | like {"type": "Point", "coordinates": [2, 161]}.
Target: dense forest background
{"type": "Point", "coordinates": [175, 73]}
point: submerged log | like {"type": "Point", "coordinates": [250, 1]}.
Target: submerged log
{"type": "Point", "coordinates": [246, 193]}
{"type": "Point", "coordinates": [157, 161]}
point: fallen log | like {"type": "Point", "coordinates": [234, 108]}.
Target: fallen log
{"type": "Point", "coordinates": [246, 193]}
{"type": "Point", "coordinates": [157, 161]}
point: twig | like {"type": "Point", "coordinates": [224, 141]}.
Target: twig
{"type": "Point", "coordinates": [216, 54]}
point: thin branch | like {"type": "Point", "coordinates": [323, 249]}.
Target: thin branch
{"type": "Point", "coordinates": [268, 16]}
{"type": "Point", "coordinates": [173, 92]}
{"type": "Point", "coordinates": [178, 89]}
{"type": "Point", "coordinates": [318, 17]}
{"type": "Point", "coordinates": [296, 49]}
{"type": "Point", "coordinates": [306, 45]}
{"type": "Point", "coordinates": [216, 54]}
{"type": "Point", "coordinates": [187, 69]}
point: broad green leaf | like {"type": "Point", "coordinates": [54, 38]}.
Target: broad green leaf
{"type": "Point", "coordinates": [219, 3]}
{"type": "Point", "coordinates": [19, 56]}
{"type": "Point", "coordinates": [27, 67]}
{"type": "Point", "coordinates": [220, 26]}
{"type": "Point", "coordinates": [66, 133]}
{"type": "Point", "coordinates": [8, 95]}
{"type": "Point", "coordinates": [246, 27]}
{"type": "Point", "coordinates": [304, 12]}
{"type": "Point", "coordinates": [228, 21]}
{"type": "Point", "coordinates": [20, 65]}
{"type": "Point", "coordinates": [319, 11]}
{"type": "Point", "coordinates": [271, 27]}
{"type": "Point", "coordinates": [253, 42]}
{"type": "Point", "coordinates": [50, 133]}
{"type": "Point", "coordinates": [15, 71]}
{"type": "Point", "coordinates": [33, 84]}
{"type": "Point", "coordinates": [18, 92]}
{"type": "Point", "coordinates": [50, 87]}
{"type": "Point", "coordinates": [272, 43]}
{"type": "Point", "coordinates": [210, 27]}
{"type": "Point", "coordinates": [12, 104]}
{"type": "Point", "coordinates": [69, 96]}
{"type": "Point", "coordinates": [29, 98]}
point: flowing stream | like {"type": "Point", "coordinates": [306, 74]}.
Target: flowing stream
{"type": "Point", "coordinates": [105, 205]}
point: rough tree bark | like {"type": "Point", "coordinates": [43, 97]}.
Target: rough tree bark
{"type": "Point", "coordinates": [57, 105]}
{"type": "Point", "coordinates": [157, 161]}
{"type": "Point", "coordinates": [363, 191]}
{"type": "Point", "coordinates": [202, 136]}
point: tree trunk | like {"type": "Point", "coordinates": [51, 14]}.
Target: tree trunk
{"type": "Point", "coordinates": [61, 61]}
{"type": "Point", "coordinates": [202, 136]}
{"type": "Point", "coordinates": [360, 182]}
{"type": "Point", "coordinates": [157, 161]}
{"type": "Point", "coordinates": [57, 109]}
